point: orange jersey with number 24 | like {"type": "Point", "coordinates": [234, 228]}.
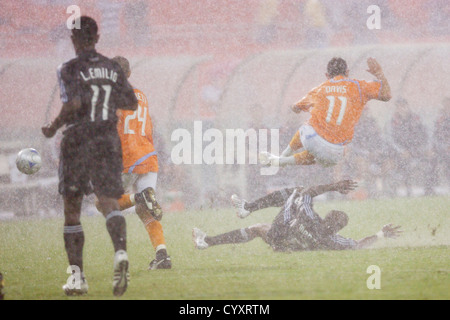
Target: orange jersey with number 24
{"type": "Point", "coordinates": [135, 130]}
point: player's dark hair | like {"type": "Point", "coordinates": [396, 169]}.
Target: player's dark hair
{"type": "Point", "coordinates": [87, 32]}
{"type": "Point", "coordinates": [336, 67]}
{"type": "Point", "coordinates": [335, 220]}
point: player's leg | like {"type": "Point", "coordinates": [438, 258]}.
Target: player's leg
{"type": "Point", "coordinates": [203, 241]}
{"type": "Point", "coordinates": [317, 149]}
{"type": "Point", "coordinates": [74, 243]}
{"type": "Point", "coordinates": [287, 157]}
{"type": "Point", "coordinates": [303, 158]}
{"type": "Point", "coordinates": [73, 184]}
{"type": "Point", "coordinates": [105, 171]}
{"type": "Point", "coordinates": [146, 197]}
{"type": "Point", "coordinates": [147, 183]}
{"type": "Point", "coordinates": [127, 200]}
{"type": "Point", "coordinates": [297, 158]}
{"type": "Point", "coordinates": [273, 199]}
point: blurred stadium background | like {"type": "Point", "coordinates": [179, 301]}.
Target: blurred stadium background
{"type": "Point", "coordinates": [231, 64]}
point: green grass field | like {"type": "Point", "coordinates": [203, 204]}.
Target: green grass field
{"type": "Point", "coordinates": [415, 266]}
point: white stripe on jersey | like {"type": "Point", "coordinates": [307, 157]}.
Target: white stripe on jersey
{"type": "Point", "coordinates": [347, 242]}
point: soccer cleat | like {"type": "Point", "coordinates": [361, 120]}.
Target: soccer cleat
{"type": "Point", "coordinates": [164, 263]}
{"type": "Point", "coordinates": [268, 159]}
{"type": "Point", "coordinates": [121, 274]}
{"type": "Point", "coordinates": [198, 236]}
{"type": "Point", "coordinates": [239, 204]}
{"type": "Point", "coordinates": [264, 158]}
{"type": "Point", "coordinates": [148, 198]}
{"type": "Point", "coordinates": [74, 290]}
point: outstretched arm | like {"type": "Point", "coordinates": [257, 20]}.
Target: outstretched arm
{"type": "Point", "coordinates": [274, 199]}
{"type": "Point", "coordinates": [343, 186]}
{"type": "Point", "coordinates": [376, 70]}
{"type": "Point", "coordinates": [388, 231]}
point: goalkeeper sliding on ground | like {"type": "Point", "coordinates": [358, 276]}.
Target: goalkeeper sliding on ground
{"type": "Point", "coordinates": [297, 227]}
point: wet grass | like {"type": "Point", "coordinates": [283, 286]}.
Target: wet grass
{"type": "Point", "coordinates": [415, 266]}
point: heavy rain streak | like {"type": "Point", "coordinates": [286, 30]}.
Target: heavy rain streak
{"type": "Point", "coordinates": [255, 108]}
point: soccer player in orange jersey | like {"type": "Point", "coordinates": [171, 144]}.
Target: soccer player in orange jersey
{"type": "Point", "coordinates": [140, 172]}
{"type": "Point", "coordinates": [335, 107]}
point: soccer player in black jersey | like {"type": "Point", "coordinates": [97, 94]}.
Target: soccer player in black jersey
{"type": "Point", "coordinates": [296, 227]}
{"type": "Point", "coordinates": [92, 88]}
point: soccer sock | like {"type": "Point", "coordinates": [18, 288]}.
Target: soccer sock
{"type": "Point", "coordinates": [287, 152]}
{"type": "Point", "coordinates": [74, 242]}
{"type": "Point", "coordinates": [126, 201]}
{"type": "Point", "coordinates": [286, 161]}
{"type": "Point", "coordinates": [155, 232]}
{"type": "Point", "coordinates": [116, 226]}
{"type": "Point", "coordinates": [235, 236]}
{"type": "Point", "coordinates": [296, 142]}
{"type": "Point", "coordinates": [304, 158]}
{"type": "Point", "coordinates": [274, 199]}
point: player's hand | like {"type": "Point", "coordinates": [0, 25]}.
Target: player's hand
{"type": "Point", "coordinates": [391, 231]}
{"type": "Point", "coordinates": [48, 130]}
{"type": "Point", "coordinates": [374, 67]}
{"type": "Point", "coordinates": [345, 186]}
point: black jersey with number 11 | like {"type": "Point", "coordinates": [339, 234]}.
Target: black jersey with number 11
{"type": "Point", "coordinates": [100, 84]}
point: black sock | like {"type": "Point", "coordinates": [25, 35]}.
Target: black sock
{"type": "Point", "coordinates": [74, 242]}
{"type": "Point", "coordinates": [274, 199]}
{"type": "Point", "coordinates": [235, 236]}
{"type": "Point", "coordinates": [116, 226]}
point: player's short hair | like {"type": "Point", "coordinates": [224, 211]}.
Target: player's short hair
{"type": "Point", "coordinates": [336, 66]}
{"type": "Point", "coordinates": [336, 220]}
{"type": "Point", "coordinates": [88, 30]}
{"type": "Point", "coordinates": [124, 63]}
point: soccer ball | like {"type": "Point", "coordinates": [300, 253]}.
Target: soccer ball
{"type": "Point", "coordinates": [28, 161]}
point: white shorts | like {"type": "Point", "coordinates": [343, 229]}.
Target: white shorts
{"type": "Point", "coordinates": [133, 182]}
{"type": "Point", "coordinates": [326, 153]}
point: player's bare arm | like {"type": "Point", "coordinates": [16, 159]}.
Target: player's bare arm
{"type": "Point", "coordinates": [388, 231]}
{"type": "Point", "coordinates": [375, 69]}
{"type": "Point", "coordinates": [299, 107]}
{"type": "Point", "coordinates": [343, 186]}
{"type": "Point", "coordinates": [67, 109]}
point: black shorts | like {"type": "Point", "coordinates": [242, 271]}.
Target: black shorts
{"type": "Point", "coordinates": [91, 161]}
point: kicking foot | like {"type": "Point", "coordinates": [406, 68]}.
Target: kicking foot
{"type": "Point", "coordinates": [239, 204]}
{"type": "Point", "coordinates": [198, 236]}
{"type": "Point", "coordinates": [148, 199]}
{"type": "Point", "coordinates": [268, 159]}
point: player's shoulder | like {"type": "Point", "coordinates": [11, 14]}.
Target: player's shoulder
{"type": "Point", "coordinates": [136, 90]}
{"type": "Point", "coordinates": [140, 95]}
{"type": "Point", "coordinates": [67, 70]}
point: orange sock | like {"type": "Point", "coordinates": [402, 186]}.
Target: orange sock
{"type": "Point", "coordinates": [296, 142]}
{"type": "Point", "coordinates": [155, 231]}
{"type": "Point", "coordinates": [126, 201]}
{"type": "Point", "coordinates": [304, 158]}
